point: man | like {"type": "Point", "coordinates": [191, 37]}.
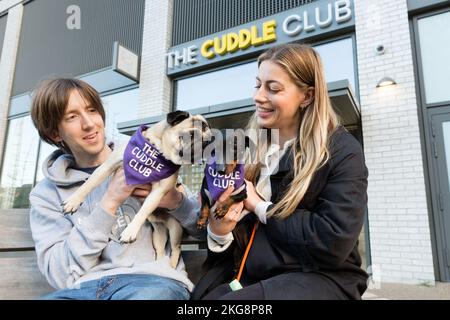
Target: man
{"type": "Point", "coordinates": [80, 254]}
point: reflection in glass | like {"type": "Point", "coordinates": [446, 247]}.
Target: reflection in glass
{"type": "Point", "coordinates": [120, 107]}
{"type": "Point", "coordinates": [435, 53]}
{"type": "Point", "coordinates": [230, 84]}
{"type": "Point", "coordinates": [19, 163]}
{"type": "Point", "coordinates": [338, 60]}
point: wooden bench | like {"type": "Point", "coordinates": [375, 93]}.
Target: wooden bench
{"type": "Point", "coordinates": [20, 278]}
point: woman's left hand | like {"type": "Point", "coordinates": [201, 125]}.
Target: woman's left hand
{"type": "Point", "coordinates": [252, 197]}
{"type": "Point", "coordinates": [227, 223]}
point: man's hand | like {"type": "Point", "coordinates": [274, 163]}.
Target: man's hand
{"type": "Point", "coordinates": [118, 191]}
{"type": "Point", "coordinates": [171, 200]}
{"type": "Point", "coordinates": [141, 192]}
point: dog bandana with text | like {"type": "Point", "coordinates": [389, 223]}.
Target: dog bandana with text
{"type": "Point", "coordinates": [217, 183]}
{"type": "Point", "coordinates": [143, 163]}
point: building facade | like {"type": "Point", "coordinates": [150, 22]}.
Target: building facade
{"type": "Point", "coordinates": [149, 57]}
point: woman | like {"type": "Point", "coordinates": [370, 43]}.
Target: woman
{"type": "Point", "coordinates": [308, 214]}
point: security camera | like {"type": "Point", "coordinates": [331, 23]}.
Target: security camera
{"type": "Point", "coordinates": [380, 49]}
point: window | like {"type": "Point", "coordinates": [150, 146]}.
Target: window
{"type": "Point", "coordinates": [217, 87]}
{"type": "Point", "coordinates": [338, 61]}
{"type": "Point", "coordinates": [238, 82]}
{"type": "Point", "coordinates": [435, 53]}
{"type": "Point", "coordinates": [120, 107]}
{"type": "Point", "coordinates": [19, 163]}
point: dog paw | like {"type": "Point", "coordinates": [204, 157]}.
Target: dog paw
{"type": "Point", "coordinates": [221, 210]}
{"type": "Point", "coordinates": [201, 224]}
{"type": "Point", "coordinates": [174, 258]}
{"type": "Point", "coordinates": [71, 205]}
{"type": "Point", "coordinates": [129, 235]}
{"type": "Point", "coordinates": [160, 254]}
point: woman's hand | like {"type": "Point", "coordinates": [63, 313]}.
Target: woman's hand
{"type": "Point", "coordinates": [252, 197]}
{"type": "Point", "coordinates": [225, 225]}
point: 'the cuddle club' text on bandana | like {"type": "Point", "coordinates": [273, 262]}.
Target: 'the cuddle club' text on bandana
{"type": "Point", "coordinates": [143, 163]}
{"type": "Point", "coordinates": [217, 183]}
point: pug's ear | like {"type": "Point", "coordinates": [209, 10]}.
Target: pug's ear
{"type": "Point", "coordinates": [176, 117]}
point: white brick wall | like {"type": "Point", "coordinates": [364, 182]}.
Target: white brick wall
{"type": "Point", "coordinates": [7, 66]}
{"type": "Point", "coordinates": [155, 87]}
{"type": "Point", "coordinates": [398, 217]}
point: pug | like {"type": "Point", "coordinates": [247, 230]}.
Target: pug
{"type": "Point", "coordinates": [152, 155]}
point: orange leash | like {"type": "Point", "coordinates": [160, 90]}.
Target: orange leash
{"type": "Point", "coordinates": [247, 250]}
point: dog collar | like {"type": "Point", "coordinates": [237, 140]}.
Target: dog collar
{"type": "Point", "coordinates": [218, 183]}
{"type": "Point", "coordinates": [143, 163]}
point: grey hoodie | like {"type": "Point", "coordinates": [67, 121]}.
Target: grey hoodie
{"type": "Point", "coordinates": [84, 246]}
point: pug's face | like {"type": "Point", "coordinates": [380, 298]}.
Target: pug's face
{"type": "Point", "coordinates": [186, 136]}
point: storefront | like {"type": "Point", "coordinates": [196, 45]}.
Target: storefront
{"type": "Point", "coordinates": [200, 56]}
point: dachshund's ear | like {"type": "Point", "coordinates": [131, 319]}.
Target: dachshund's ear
{"type": "Point", "coordinates": [176, 117]}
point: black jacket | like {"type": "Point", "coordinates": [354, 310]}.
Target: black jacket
{"type": "Point", "coordinates": [321, 236]}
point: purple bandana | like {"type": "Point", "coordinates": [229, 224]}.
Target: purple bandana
{"type": "Point", "coordinates": [218, 183]}
{"type": "Point", "coordinates": [143, 163]}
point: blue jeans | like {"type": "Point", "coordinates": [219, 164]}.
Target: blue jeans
{"type": "Point", "coordinates": [124, 287]}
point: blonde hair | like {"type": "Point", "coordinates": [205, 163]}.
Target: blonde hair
{"type": "Point", "coordinates": [318, 121]}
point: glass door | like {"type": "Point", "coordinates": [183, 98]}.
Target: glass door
{"type": "Point", "coordinates": [440, 127]}
{"type": "Point", "coordinates": [432, 50]}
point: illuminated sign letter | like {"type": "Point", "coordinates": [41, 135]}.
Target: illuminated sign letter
{"type": "Point", "coordinates": [220, 47]}
{"type": "Point", "coordinates": [269, 34]}
{"type": "Point", "coordinates": [245, 39]}
{"type": "Point", "coordinates": [288, 21]}
{"type": "Point", "coordinates": [191, 54]}
{"type": "Point", "coordinates": [307, 27]}
{"type": "Point", "coordinates": [328, 21]}
{"type": "Point", "coordinates": [232, 42]}
{"type": "Point", "coordinates": [256, 41]}
{"type": "Point", "coordinates": [342, 11]}
{"type": "Point", "coordinates": [205, 49]}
